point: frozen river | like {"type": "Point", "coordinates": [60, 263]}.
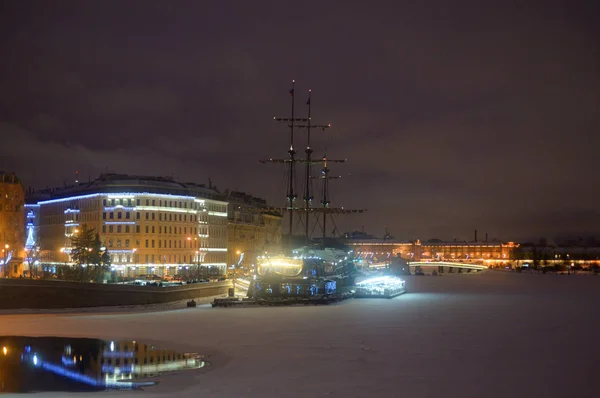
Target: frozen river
{"type": "Point", "coordinates": [493, 334]}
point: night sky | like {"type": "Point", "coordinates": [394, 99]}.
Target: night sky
{"type": "Point", "coordinates": [454, 115]}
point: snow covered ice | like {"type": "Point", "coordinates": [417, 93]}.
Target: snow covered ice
{"type": "Point", "coordinates": [493, 334]}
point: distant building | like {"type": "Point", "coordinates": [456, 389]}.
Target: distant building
{"type": "Point", "coordinates": [253, 228]}
{"type": "Point", "coordinates": [12, 229]}
{"type": "Point", "coordinates": [150, 225]}
{"type": "Point", "coordinates": [491, 253]}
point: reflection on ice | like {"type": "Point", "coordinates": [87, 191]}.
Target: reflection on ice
{"type": "Point", "coordinates": [32, 364]}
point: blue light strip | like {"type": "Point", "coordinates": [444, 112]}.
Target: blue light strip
{"type": "Point", "coordinates": [126, 195]}
{"type": "Point", "coordinates": [71, 211]}
{"type": "Point", "coordinates": [59, 370]}
{"type": "Point", "coordinates": [46, 202]}
{"type": "Point", "coordinates": [119, 222]}
{"type": "Point", "coordinates": [27, 206]}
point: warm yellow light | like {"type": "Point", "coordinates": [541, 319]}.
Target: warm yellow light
{"type": "Point", "coordinates": [5, 350]}
{"type": "Point", "coordinates": [238, 252]}
{"type": "Point", "coordinates": [6, 246]}
{"type": "Point", "coordinates": [76, 230]}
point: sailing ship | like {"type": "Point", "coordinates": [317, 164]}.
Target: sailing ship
{"type": "Point", "coordinates": [318, 270]}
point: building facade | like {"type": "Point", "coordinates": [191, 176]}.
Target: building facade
{"type": "Point", "coordinates": [12, 228]}
{"type": "Point", "coordinates": [253, 229]}
{"type": "Point", "coordinates": [149, 225]}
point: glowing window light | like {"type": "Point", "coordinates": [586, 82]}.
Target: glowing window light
{"type": "Point", "coordinates": [166, 209]}
{"type": "Point", "coordinates": [71, 211]}
{"type": "Point", "coordinates": [217, 213]}
{"type": "Point", "coordinates": [119, 207]}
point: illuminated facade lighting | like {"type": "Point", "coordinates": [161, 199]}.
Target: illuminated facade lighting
{"type": "Point", "coordinates": [159, 242]}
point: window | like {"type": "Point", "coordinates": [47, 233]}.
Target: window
{"type": "Point", "coordinates": [147, 202]}
{"type": "Point", "coordinates": [153, 202]}
{"type": "Point", "coordinates": [126, 242]}
{"type": "Point", "coordinates": [137, 215]}
{"type": "Point", "coordinates": [118, 229]}
{"type": "Point", "coordinates": [153, 229]}
{"type": "Point", "coordinates": [159, 244]}
{"type": "Point", "coordinates": [137, 242]}
{"type": "Point", "coordinates": [152, 261]}
{"type": "Point", "coordinates": [160, 203]}
{"type": "Point", "coordinates": [146, 246]}
{"type": "Point", "coordinates": [146, 258]}
{"type": "Point", "coordinates": [129, 202]}
{"type": "Point", "coordinates": [110, 243]}
{"type": "Point", "coordinates": [104, 216]}
{"type": "Point", "coordinates": [185, 230]}
{"type": "Point", "coordinates": [169, 243]}
{"type": "Point", "coordinates": [111, 215]}
{"type": "Point", "coordinates": [147, 227]}
{"type": "Point", "coordinates": [110, 229]}
{"type": "Point", "coordinates": [119, 215]}
{"type": "Point", "coordinates": [153, 218]}
{"type": "Point", "coordinates": [112, 202]}
{"type": "Point", "coordinates": [104, 229]}
{"type": "Point", "coordinates": [118, 242]}
{"type": "Point", "coordinates": [159, 216]}
{"type": "Point", "coordinates": [138, 202]}
{"type": "Point", "coordinates": [170, 203]}
{"type": "Point", "coordinates": [137, 229]}
{"type": "Point", "coordinates": [147, 215]}
{"type": "Point", "coordinates": [126, 229]}
{"type": "Point", "coordinates": [104, 202]}
{"type": "Point", "coordinates": [159, 229]}
{"type": "Point", "coordinates": [170, 218]}
{"type": "Point", "coordinates": [127, 215]}
{"type": "Point", "coordinates": [153, 246]}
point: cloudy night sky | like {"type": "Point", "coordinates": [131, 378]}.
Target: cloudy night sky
{"type": "Point", "coordinates": [454, 115]}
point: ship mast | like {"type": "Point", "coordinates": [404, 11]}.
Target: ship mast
{"type": "Point", "coordinates": [308, 161]}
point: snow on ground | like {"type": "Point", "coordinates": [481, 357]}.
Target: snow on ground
{"type": "Point", "coordinates": [493, 334]}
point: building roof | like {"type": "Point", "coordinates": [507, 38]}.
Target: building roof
{"type": "Point", "coordinates": [9, 178]}
{"type": "Point", "coordinates": [120, 183]}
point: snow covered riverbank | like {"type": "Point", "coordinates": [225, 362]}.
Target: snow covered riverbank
{"type": "Point", "coordinates": [493, 334]}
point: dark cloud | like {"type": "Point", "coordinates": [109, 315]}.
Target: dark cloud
{"type": "Point", "coordinates": [453, 115]}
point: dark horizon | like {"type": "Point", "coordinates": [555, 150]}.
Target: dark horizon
{"type": "Point", "coordinates": [452, 116]}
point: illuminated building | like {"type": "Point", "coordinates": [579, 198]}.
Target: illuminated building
{"type": "Point", "coordinates": [12, 229]}
{"type": "Point", "coordinates": [491, 253]}
{"type": "Point", "coordinates": [253, 228]}
{"type": "Point", "coordinates": [149, 225]}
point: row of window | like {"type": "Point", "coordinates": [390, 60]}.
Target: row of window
{"type": "Point", "coordinates": [161, 230]}
{"type": "Point", "coordinates": [161, 216]}
{"type": "Point", "coordinates": [183, 244]}
{"type": "Point", "coordinates": [151, 202]}
{"type": "Point", "coordinates": [165, 258]}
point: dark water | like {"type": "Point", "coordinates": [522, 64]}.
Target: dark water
{"type": "Point", "coordinates": [36, 364]}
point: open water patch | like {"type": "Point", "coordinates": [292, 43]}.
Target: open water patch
{"type": "Point", "coordinates": [58, 364]}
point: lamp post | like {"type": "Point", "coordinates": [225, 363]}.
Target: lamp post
{"type": "Point", "coordinates": [4, 265]}
{"type": "Point", "coordinates": [135, 262]}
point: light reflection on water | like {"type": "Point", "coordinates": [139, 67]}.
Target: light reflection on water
{"type": "Point", "coordinates": [35, 364]}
